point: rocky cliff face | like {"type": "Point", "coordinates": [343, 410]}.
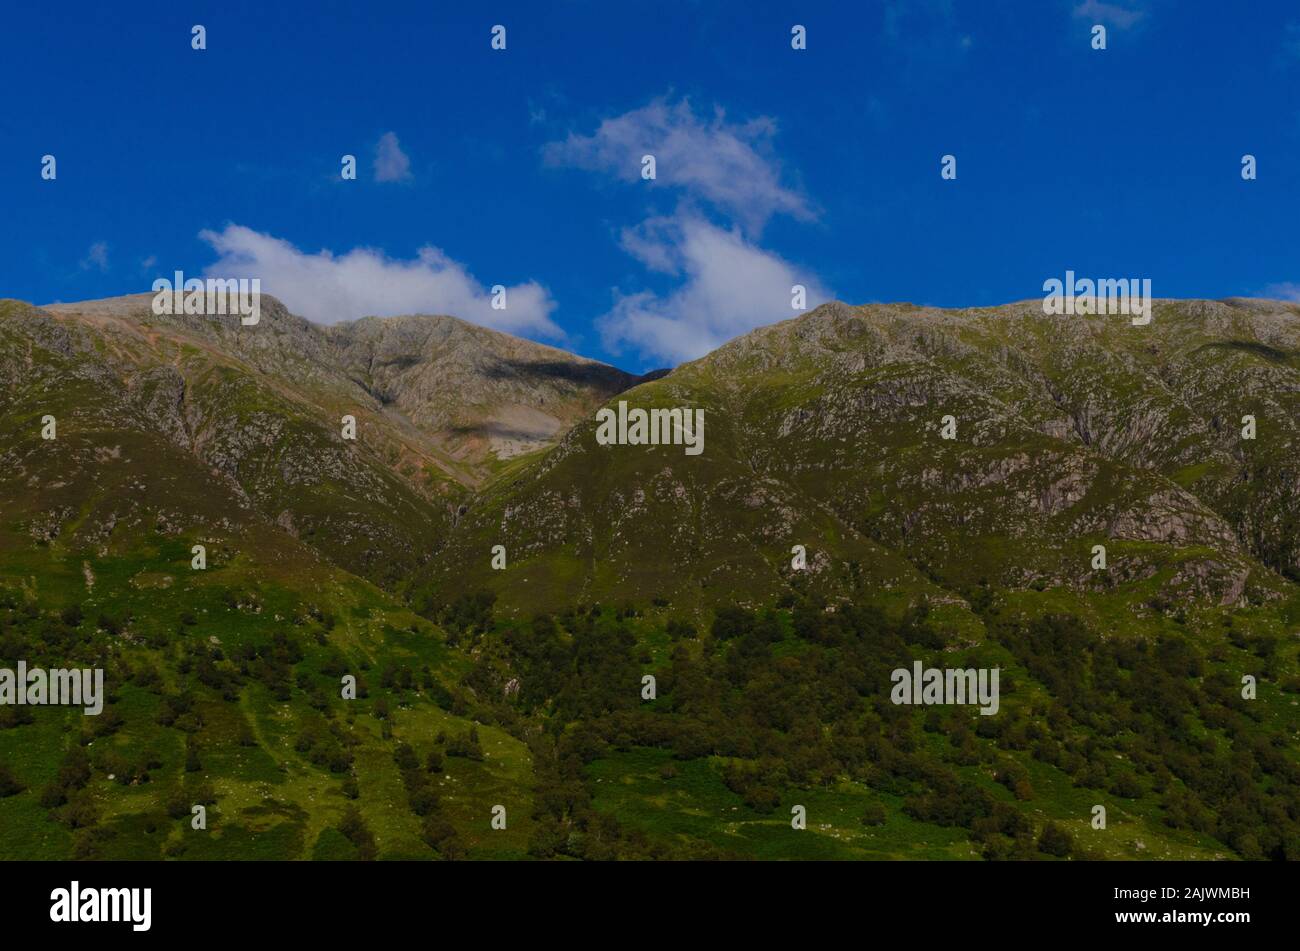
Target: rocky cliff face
{"type": "Point", "coordinates": [480, 391]}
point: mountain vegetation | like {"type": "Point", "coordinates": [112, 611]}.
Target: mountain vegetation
{"type": "Point", "coordinates": [632, 651]}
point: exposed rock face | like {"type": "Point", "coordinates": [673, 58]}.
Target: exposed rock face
{"type": "Point", "coordinates": [479, 390]}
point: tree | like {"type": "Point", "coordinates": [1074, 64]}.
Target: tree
{"type": "Point", "coordinates": [354, 829]}
{"type": "Point", "coordinates": [10, 785]}
{"type": "Point", "coordinates": [730, 622]}
{"type": "Point", "coordinates": [441, 836]}
{"type": "Point", "coordinates": [1055, 841]}
{"type": "Point", "coordinates": [874, 815]}
{"type": "Point", "coordinates": [423, 800]}
{"type": "Point", "coordinates": [405, 758]}
{"type": "Point", "coordinates": [74, 772]}
{"type": "Point", "coordinates": [680, 629]}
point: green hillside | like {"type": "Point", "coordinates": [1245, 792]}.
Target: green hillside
{"type": "Point", "coordinates": [525, 686]}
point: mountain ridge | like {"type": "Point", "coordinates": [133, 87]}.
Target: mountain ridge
{"type": "Point", "coordinates": [475, 355]}
{"type": "Point", "coordinates": [1095, 403]}
{"type": "Point", "coordinates": [1115, 414]}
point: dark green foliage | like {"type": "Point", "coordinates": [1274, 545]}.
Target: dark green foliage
{"type": "Point", "coordinates": [1055, 841]}
{"type": "Point", "coordinates": [469, 613]}
{"type": "Point", "coordinates": [355, 830]}
{"type": "Point", "coordinates": [465, 745]}
{"type": "Point", "coordinates": [874, 815]}
{"type": "Point", "coordinates": [441, 836]}
{"type": "Point", "coordinates": [10, 785]}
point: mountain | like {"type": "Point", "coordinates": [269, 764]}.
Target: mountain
{"type": "Point", "coordinates": [680, 648]}
{"type": "Point", "coordinates": [475, 390]}
{"type": "Point", "coordinates": [257, 412]}
{"type": "Point", "coordinates": [826, 431]}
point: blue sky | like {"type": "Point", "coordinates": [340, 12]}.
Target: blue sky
{"type": "Point", "coordinates": [522, 167]}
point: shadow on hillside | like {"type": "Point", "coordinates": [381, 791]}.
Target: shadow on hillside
{"type": "Point", "coordinates": [607, 378]}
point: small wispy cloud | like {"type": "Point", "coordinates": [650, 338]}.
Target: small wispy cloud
{"type": "Point", "coordinates": [96, 258]}
{"type": "Point", "coordinates": [329, 288]}
{"type": "Point", "coordinates": [391, 163]}
{"type": "Point", "coordinates": [924, 36]}
{"type": "Point", "coordinates": [1291, 40]}
{"type": "Point", "coordinates": [726, 164]}
{"type": "Point", "coordinates": [1111, 14]}
{"type": "Point", "coordinates": [1286, 290]}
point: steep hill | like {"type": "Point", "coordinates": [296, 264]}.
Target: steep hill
{"type": "Point", "coordinates": [260, 410]}
{"type": "Point", "coordinates": [827, 431]}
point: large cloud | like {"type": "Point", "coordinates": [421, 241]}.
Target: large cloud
{"type": "Point", "coordinates": [729, 286]}
{"type": "Point", "coordinates": [363, 282]}
{"type": "Point", "coordinates": [726, 164]}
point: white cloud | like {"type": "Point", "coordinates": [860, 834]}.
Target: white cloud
{"type": "Point", "coordinates": [329, 288]}
{"type": "Point", "coordinates": [96, 258]}
{"type": "Point", "coordinates": [391, 163]}
{"type": "Point", "coordinates": [724, 163]}
{"type": "Point", "coordinates": [727, 284]}
{"type": "Point", "coordinates": [730, 286]}
{"type": "Point", "coordinates": [1111, 14]}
